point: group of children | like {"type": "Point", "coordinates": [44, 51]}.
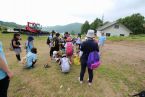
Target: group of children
{"type": "Point", "coordinates": [31, 52]}
{"type": "Point", "coordinates": [61, 49]}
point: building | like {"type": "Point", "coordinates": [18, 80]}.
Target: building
{"type": "Point", "coordinates": [114, 29]}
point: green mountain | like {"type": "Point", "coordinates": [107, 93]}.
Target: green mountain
{"type": "Point", "coordinates": [10, 25]}
{"type": "Point", "coordinates": [75, 27]}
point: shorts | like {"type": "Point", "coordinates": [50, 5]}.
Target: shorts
{"type": "Point", "coordinates": [17, 51]}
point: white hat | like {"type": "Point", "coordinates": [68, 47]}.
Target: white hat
{"type": "Point", "coordinates": [90, 34]}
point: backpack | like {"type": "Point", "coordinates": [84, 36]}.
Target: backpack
{"type": "Point", "coordinates": [69, 49]}
{"type": "Point", "coordinates": [93, 60]}
{"type": "Point", "coordinates": [11, 46]}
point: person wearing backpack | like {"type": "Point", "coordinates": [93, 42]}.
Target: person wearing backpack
{"type": "Point", "coordinates": [29, 44]}
{"type": "Point", "coordinates": [17, 45]}
{"type": "Point", "coordinates": [5, 74]}
{"type": "Point", "coordinates": [49, 40]}
{"type": "Point", "coordinates": [87, 47]}
{"type": "Point", "coordinates": [69, 48]}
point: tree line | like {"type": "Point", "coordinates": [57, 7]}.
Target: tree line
{"type": "Point", "coordinates": [134, 22]}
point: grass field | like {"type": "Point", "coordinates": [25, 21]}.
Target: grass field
{"type": "Point", "coordinates": [122, 72]}
{"type": "Point", "coordinates": [130, 38]}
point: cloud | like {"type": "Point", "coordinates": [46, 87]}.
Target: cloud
{"type": "Point", "coordinates": [60, 12]}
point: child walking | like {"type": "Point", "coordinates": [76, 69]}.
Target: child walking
{"type": "Point", "coordinates": [101, 40]}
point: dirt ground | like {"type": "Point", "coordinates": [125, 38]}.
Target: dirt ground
{"type": "Point", "coordinates": [125, 52]}
{"type": "Point", "coordinates": [122, 73]}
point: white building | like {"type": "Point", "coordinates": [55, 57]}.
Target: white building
{"type": "Point", "coordinates": [114, 29]}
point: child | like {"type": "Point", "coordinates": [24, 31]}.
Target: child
{"type": "Point", "coordinates": [78, 41]}
{"type": "Point", "coordinates": [62, 44]}
{"type": "Point", "coordinates": [29, 44]}
{"type": "Point", "coordinates": [55, 53]}
{"type": "Point", "coordinates": [16, 45]}
{"type": "Point", "coordinates": [31, 58]}
{"type": "Point", "coordinates": [65, 64]}
{"type": "Point", "coordinates": [69, 48]}
{"type": "Point", "coordinates": [101, 40]}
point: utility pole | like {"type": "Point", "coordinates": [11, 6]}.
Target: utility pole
{"type": "Point", "coordinates": [103, 18]}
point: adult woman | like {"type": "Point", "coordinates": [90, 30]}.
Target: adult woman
{"type": "Point", "coordinates": [5, 74]}
{"type": "Point", "coordinates": [17, 45]}
{"type": "Point", "coordinates": [87, 46]}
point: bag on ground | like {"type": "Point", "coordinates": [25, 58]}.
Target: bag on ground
{"type": "Point", "coordinates": [77, 60]}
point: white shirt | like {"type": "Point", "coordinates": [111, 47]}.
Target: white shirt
{"type": "Point", "coordinates": [65, 66]}
{"type": "Point", "coordinates": [78, 41]}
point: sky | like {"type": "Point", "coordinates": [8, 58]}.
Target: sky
{"type": "Point", "coordinates": [62, 12]}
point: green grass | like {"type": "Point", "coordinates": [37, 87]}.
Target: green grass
{"type": "Point", "coordinates": [109, 79]}
{"type": "Point", "coordinates": [130, 38]}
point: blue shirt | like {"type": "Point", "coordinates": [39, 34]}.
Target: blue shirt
{"type": "Point", "coordinates": [30, 58]}
{"type": "Point", "coordinates": [50, 37]}
{"type": "Point", "coordinates": [2, 55]}
{"type": "Point", "coordinates": [29, 46]}
{"type": "Point", "coordinates": [102, 40]}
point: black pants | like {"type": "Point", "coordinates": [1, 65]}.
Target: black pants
{"type": "Point", "coordinates": [83, 70]}
{"type": "Point", "coordinates": [4, 84]}
{"type": "Point", "coordinates": [18, 57]}
{"type": "Point", "coordinates": [51, 51]}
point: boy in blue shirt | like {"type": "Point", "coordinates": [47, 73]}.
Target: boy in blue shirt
{"type": "Point", "coordinates": [102, 40]}
{"type": "Point", "coordinates": [5, 74]}
{"type": "Point", "coordinates": [31, 58]}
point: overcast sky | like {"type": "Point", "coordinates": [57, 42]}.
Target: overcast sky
{"type": "Point", "coordinates": [61, 12]}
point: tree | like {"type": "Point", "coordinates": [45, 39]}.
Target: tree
{"type": "Point", "coordinates": [97, 23]}
{"type": "Point", "coordinates": [134, 23]}
{"type": "Point", "coordinates": [73, 32]}
{"type": "Point", "coordinates": [85, 27]}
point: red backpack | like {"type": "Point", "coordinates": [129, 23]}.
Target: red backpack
{"type": "Point", "coordinates": [69, 49]}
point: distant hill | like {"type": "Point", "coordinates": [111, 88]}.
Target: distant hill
{"type": "Point", "coordinates": [10, 25]}
{"type": "Point", "coordinates": [75, 27]}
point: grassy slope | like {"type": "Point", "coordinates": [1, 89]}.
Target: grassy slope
{"type": "Point", "coordinates": [109, 80]}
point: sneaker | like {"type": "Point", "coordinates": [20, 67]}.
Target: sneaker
{"type": "Point", "coordinates": [81, 82]}
{"type": "Point", "coordinates": [88, 80]}
{"type": "Point", "coordinates": [89, 84]}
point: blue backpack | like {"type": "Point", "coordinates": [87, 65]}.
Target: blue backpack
{"type": "Point", "coordinates": [93, 60]}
